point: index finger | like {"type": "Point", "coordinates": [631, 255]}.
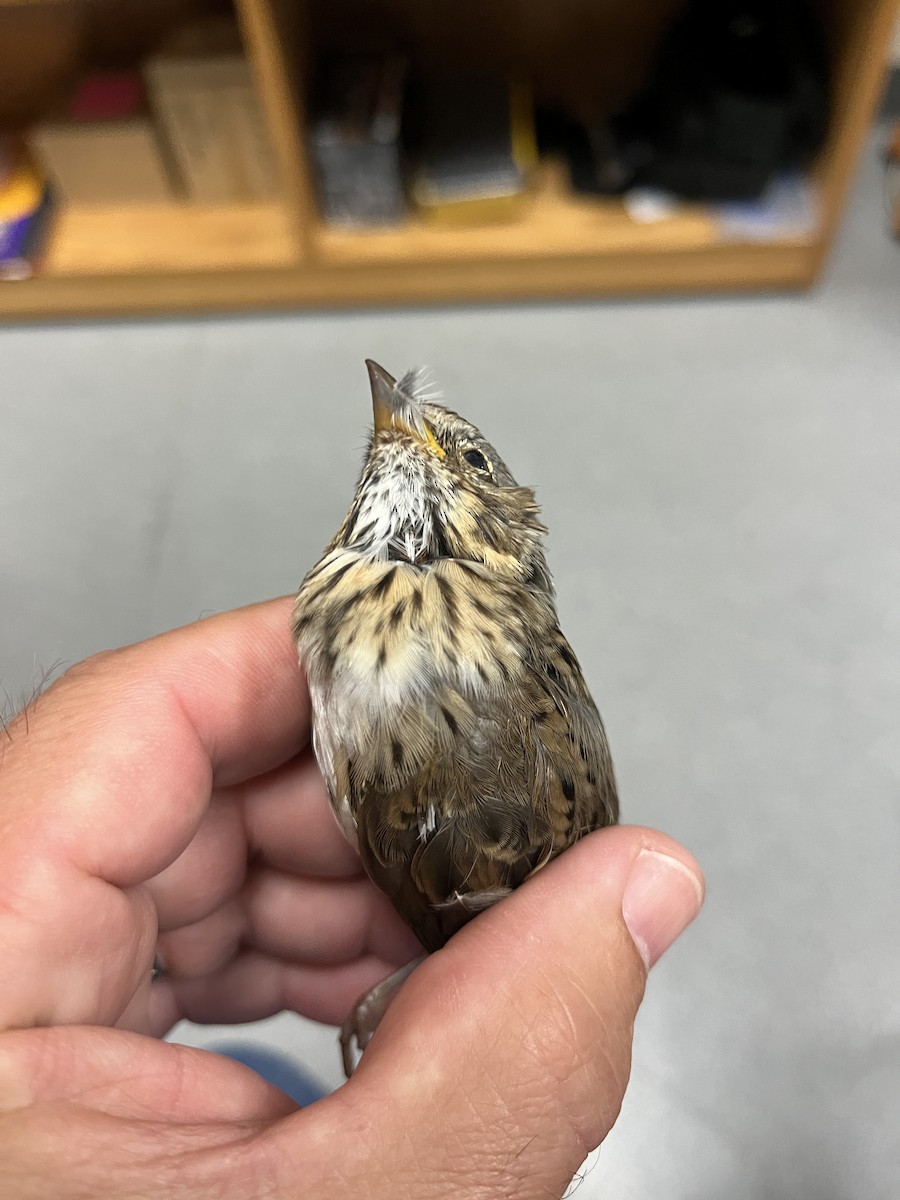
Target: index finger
{"type": "Point", "coordinates": [114, 766]}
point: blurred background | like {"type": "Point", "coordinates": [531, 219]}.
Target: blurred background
{"type": "Point", "coordinates": [233, 207]}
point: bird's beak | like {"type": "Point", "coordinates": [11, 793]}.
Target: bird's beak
{"type": "Point", "coordinates": [392, 410]}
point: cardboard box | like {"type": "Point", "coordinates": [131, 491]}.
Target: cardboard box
{"type": "Point", "coordinates": [104, 162]}
{"type": "Point", "coordinates": [211, 117]}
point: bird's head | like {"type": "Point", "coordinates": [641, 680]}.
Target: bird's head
{"type": "Point", "coordinates": [433, 487]}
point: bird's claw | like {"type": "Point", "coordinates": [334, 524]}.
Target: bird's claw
{"type": "Point", "coordinates": [366, 1014]}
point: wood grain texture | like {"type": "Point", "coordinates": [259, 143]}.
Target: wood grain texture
{"type": "Point", "coordinates": [148, 239]}
{"type": "Point", "coordinates": [553, 222]}
{"type": "Point", "coordinates": [273, 36]}
{"type": "Point", "coordinates": [719, 269]}
{"type": "Point", "coordinates": [40, 51]}
{"type": "Point", "coordinates": [594, 54]}
{"type": "Point", "coordinates": [861, 33]}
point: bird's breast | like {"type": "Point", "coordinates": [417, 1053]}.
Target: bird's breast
{"type": "Point", "coordinates": [388, 646]}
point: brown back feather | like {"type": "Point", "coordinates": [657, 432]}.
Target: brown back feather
{"type": "Point", "coordinates": [514, 787]}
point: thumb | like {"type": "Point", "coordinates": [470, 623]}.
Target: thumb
{"type": "Point", "coordinates": [504, 1059]}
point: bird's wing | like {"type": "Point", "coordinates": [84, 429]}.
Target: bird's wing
{"type": "Point", "coordinates": [573, 779]}
{"type": "Point", "coordinates": [506, 786]}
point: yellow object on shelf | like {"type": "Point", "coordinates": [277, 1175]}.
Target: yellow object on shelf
{"type": "Point", "coordinates": [21, 193]}
{"type": "Point", "coordinates": [26, 208]}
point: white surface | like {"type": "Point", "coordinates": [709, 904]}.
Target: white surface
{"type": "Point", "coordinates": [721, 480]}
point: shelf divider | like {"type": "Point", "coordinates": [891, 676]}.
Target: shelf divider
{"type": "Point", "coordinates": [273, 33]}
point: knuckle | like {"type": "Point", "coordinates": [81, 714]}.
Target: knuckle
{"type": "Point", "coordinates": [95, 666]}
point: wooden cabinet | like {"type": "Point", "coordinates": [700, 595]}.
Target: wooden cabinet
{"type": "Point", "coordinates": [172, 256]}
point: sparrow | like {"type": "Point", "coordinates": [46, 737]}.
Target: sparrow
{"type": "Point", "coordinates": [459, 743]}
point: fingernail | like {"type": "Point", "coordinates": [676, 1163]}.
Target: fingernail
{"type": "Point", "coordinates": [661, 899]}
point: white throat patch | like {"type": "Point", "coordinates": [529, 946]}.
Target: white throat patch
{"type": "Point", "coordinates": [396, 515]}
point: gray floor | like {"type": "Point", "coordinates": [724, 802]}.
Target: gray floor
{"type": "Point", "coordinates": [721, 481]}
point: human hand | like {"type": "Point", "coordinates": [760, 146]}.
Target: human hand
{"type": "Point", "coordinates": [170, 787]}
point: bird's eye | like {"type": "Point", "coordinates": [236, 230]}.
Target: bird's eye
{"type": "Point", "coordinates": [476, 459]}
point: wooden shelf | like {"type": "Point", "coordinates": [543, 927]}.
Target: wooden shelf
{"type": "Point", "coordinates": [728, 268]}
{"type": "Point", "coordinates": [170, 257]}
{"type": "Point", "coordinates": [159, 238]}
{"type": "Point", "coordinates": [553, 223]}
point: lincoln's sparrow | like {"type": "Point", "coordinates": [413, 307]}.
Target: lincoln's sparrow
{"type": "Point", "coordinates": [458, 740]}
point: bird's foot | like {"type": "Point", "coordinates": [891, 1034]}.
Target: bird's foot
{"type": "Point", "coordinates": [368, 1011]}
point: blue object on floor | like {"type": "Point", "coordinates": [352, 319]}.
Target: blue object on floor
{"type": "Point", "coordinates": [276, 1069]}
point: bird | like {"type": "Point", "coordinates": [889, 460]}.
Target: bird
{"type": "Point", "coordinates": [459, 743]}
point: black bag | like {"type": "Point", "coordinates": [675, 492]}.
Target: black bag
{"type": "Point", "coordinates": [740, 91]}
